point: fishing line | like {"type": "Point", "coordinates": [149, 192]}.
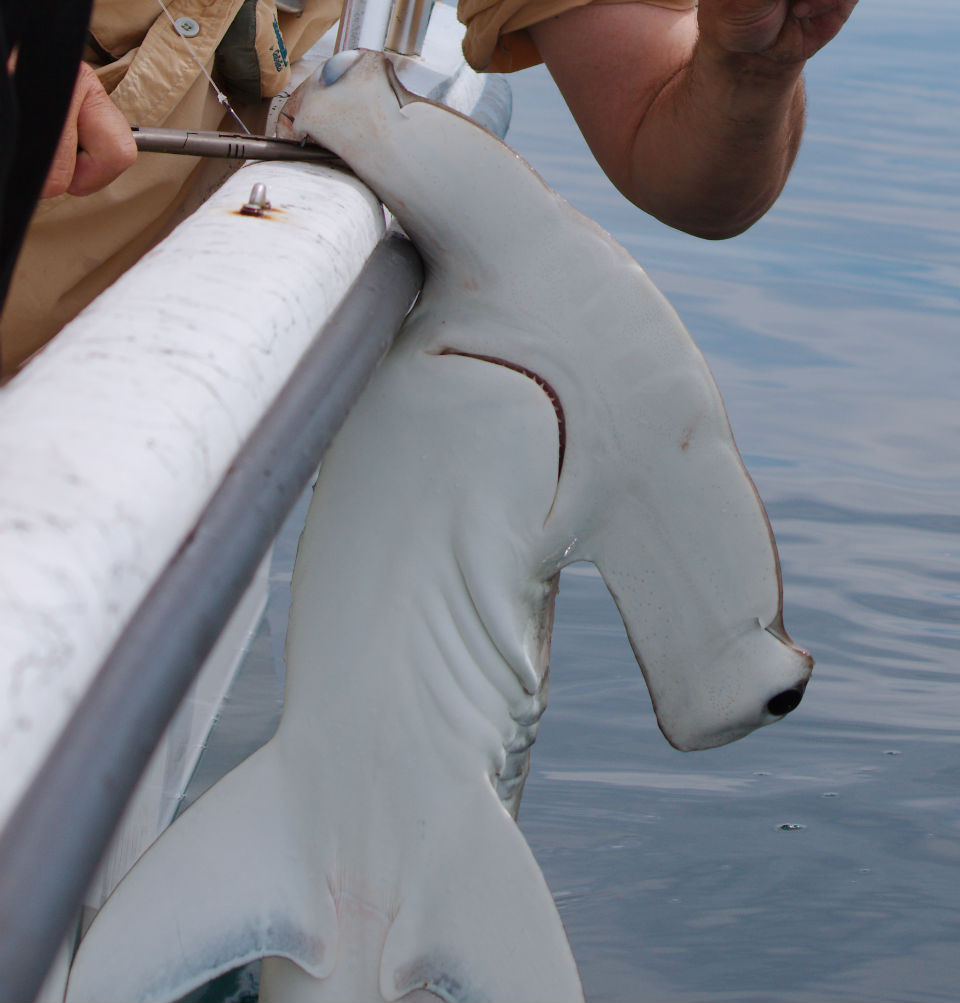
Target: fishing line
{"type": "Point", "coordinates": [221, 97]}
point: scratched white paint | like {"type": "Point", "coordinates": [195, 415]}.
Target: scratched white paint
{"type": "Point", "coordinates": [115, 436]}
{"type": "Point", "coordinates": [157, 795]}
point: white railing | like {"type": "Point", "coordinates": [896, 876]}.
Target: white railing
{"type": "Point", "coordinates": [150, 454]}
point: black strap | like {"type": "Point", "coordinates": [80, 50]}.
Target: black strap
{"type": "Point", "coordinates": [237, 65]}
{"type": "Point", "coordinates": [46, 41]}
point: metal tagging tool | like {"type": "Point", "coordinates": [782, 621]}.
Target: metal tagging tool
{"type": "Point", "coordinates": [398, 26]}
{"type": "Point", "coordinates": [228, 145]}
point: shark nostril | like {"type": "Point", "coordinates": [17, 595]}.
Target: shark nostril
{"type": "Point", "coordinates": [785, 702]}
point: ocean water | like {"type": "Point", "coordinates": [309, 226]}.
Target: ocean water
{"type": "Point", "coordinates": [818, 859]}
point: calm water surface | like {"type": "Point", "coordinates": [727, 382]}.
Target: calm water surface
{"type": "Point", "coordinates": [818, 859]}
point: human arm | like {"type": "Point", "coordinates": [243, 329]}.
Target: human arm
{"type": "Point", "coordinates": [96, 145]}
{"type": "Point", "coordinates": [696, 116]}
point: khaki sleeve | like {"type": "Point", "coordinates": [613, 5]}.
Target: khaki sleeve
{"type": "Point", "coordinates": [497, 39]}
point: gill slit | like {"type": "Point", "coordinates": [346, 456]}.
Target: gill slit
{"type": "Point", "coordinates": [540, 382]}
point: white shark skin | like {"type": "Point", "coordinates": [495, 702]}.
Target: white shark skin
{"type": "Point", "coordinates": [368, 850]}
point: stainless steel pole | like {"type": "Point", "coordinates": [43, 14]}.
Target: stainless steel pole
{"type": "Point", "coordinates": [408, 26]}
{"type": "Point", "coordinates": [363, 25]}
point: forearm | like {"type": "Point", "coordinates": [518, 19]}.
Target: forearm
{"type": "Point", "coordinates": [695, 115]}
{"type": "Point", "coordinates": [715, 146]}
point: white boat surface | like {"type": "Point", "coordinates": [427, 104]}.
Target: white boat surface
{"type": "Point", "coordinates": [116, 436]}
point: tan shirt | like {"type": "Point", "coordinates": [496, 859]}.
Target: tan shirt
{"type": "Point", "coordinates": [497, 40]}
{"type": "Point", "coordinates": [76, 247]}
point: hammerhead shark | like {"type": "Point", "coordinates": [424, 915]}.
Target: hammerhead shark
{"type": "Point", "coordinates": [543, 405]}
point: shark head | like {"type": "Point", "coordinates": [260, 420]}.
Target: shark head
{"type": "Point", "coordinates": [650, 485]}
{"type": "Point", "coordinates": [652, 490]}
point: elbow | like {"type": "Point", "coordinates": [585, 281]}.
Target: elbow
{"type": "Point", "coordinates": [714, 217]}
{"type": "Point", "coordinates": [722, 229]}
{"type": "Point", "coordinates": [709, 225]}
{"type": "Point", "coordinates": [713, 202]}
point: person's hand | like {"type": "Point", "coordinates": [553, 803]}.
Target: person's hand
{"type": "Point", "coordinates": [96, 145]}
{"type": "Point", "coordinates": [785, 32]}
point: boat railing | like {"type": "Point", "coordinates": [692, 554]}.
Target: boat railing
{"type": "Point", "coordinates": [54, 840]}
{"type": "Point", "coordinates": [59, 815]}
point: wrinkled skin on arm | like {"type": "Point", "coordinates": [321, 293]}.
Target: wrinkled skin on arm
{"type": "Point", "coordinates": [696, 116]}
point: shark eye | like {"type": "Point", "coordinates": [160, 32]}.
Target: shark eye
{"type": "Point", "coordinates": [785, 702]}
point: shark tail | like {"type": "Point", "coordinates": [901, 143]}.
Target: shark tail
{"type": "Point", "coordinates": [224, 885]}
{"type": "Point", "coordinates": [234, 880]}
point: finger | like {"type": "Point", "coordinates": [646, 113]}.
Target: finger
{"type": "Point", "coordinates": [818, 8]}
{"type": "Point", "coordinates": [820, 21]}
{"type": "Point", "coordinates": [60, 171]}
{"type": "Point", "coordinates": [107, 146]}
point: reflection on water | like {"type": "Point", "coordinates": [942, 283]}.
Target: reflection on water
{"type": "Point", "coordinates": [820, 858]}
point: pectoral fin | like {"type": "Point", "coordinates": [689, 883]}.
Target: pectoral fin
{"type": "Point", "coordinates": [221, 887]}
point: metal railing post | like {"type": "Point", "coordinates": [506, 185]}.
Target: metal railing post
{"type": "Point", "coordinates": [397, 25]}
{"type": "Point", "coordinates": [363, 25]}
{"type": "Point", "coordinates": [408, 26]}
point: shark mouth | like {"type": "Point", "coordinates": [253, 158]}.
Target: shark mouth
{"type": "Point", "coordinates": [543, 384]}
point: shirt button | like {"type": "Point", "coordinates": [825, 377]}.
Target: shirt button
{"type": "Point", "coordinates": [187, 27]}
